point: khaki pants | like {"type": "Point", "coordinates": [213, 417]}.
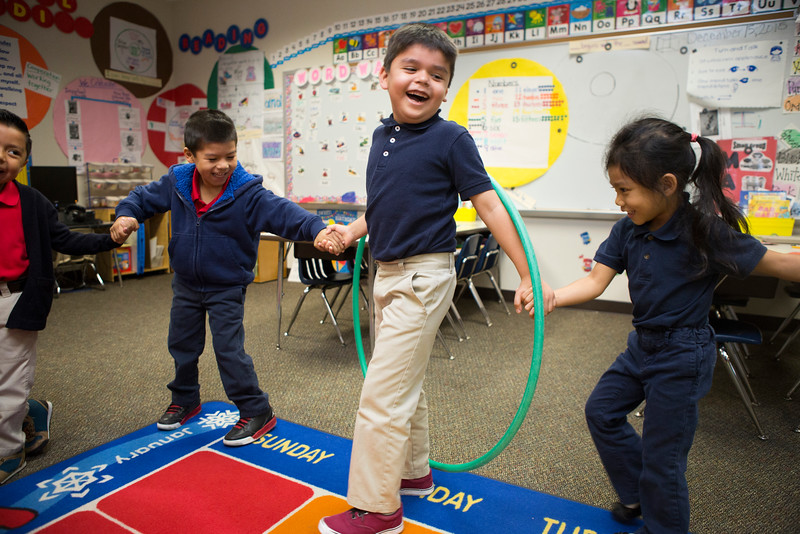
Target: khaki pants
{"type": "Point", "coordinates": [390, 441]}
{"type": "Point", "coordinates": [17, 363]}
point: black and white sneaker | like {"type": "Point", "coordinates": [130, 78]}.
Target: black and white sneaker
{"type": "Point", "coordinates": [176, 415]}
{"type": "Point", "coordinates": [249, 429]}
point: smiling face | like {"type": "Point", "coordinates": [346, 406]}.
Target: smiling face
{"type": "Point", "coordinates": [215, 163]}
{"type": "Point", "coordinates": [643, 206]}
{"type": "Point", "coordinates": [12, 153]}
{"type": "Point", "coordinates": [417, 83]}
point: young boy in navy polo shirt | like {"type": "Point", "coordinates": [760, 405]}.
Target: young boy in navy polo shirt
{"type": "Point", "coordinates": [418, 166]}
{"type": "Point", "coordinates": [30, 232]}
{"type": "Point", "coordinates": [218, 212]}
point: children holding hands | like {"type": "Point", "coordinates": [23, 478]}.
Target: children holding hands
{"type": "Point", "coordinates": [218, 211]}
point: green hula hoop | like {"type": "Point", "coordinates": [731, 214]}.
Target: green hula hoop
{"type": "Point", "coordinates": [538, 337]}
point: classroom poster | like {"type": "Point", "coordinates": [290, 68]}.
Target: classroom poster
{"type": "Point", "coordinates": [505, 118]}
{"type": "Point", "coordinates": [132, 48]}
{"type": "Point", "coordinates": [240, 86]}
{"type": "Point", "coordinates": [750, 167]}
{"type": "Point", "coordinates": [12, 91]}
{"type": "Point", "coordinates": [742, 75]}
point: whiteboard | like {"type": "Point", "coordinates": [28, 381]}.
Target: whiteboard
{"type": "Point", "coordinates": [604, 90]}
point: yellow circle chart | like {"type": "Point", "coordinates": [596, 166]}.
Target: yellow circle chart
{"type": "Point", "coordinates": [516, 110]}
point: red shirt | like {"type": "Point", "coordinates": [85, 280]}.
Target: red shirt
{"type": "Point", "coordinates": [14, 256]}
{"type": "Point", "coordinates": [199, 205]}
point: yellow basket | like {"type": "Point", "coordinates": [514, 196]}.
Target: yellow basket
{"type": "Point", "coordinates": [771, 225]}
{"type": "Point", "coordinates": [465, 214]}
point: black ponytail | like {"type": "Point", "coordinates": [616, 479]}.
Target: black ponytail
{"type": "Point", "coordinates": [648, 148]}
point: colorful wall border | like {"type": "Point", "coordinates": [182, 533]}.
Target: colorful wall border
{"type": "Point", "coordinates": [486, 23]}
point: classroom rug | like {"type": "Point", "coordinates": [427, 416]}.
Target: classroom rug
{"type": "Point", "coordinates": [185, 480]}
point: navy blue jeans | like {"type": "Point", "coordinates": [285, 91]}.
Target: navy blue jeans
{"type": "Point", "coordinates": [187, 339]}
{"type": "Point", "coordinates": [671, 370]}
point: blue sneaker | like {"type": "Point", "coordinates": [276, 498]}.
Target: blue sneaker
{"type": "Point", "coordinates": [11, 465]}
{"type": "Point", "coordinates": [37, 426]}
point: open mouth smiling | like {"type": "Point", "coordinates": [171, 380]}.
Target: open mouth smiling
{"type": "Point", "coordinates": [416, 97]}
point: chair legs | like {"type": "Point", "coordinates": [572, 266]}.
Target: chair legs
{"type": "Point", "coordinates": [479, 302]}
{"type": "Point", "coordinates": [794, 388]}
{"type": "Point", "coordinates": [785, 323]}
{"type": "Point", "coordinates": [457, 315]}
{"type": "Point", "coordinates": [786, 343]}
{"type": "Point", "coordinates": [739, 381]}
{"type": "Point", "coordinates": [306, 291]}
{"type": "Point", "coordinates": [440, 337]}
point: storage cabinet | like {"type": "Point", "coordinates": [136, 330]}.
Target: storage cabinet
{"type": "Point", "coordinates": [146, 249]}
{"type": "Point", "coordinates": [111, 182]}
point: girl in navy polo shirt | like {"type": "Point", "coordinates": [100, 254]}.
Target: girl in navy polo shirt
{"type": "Point", "coordinates": [674, 250]}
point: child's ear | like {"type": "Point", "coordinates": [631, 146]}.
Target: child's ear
{"type": "Point", "coordinates": [669, 184]}
{"type": "Point", "coordinates": [188, 154]}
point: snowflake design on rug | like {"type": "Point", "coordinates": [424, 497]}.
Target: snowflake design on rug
{"type": "Point", "coordinates": [219, 419]}
{"type": "Point", "coordinates": [75, 482]}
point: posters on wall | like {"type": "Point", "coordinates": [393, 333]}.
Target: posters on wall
{"type": "Point", "coordinates": [737, 76]}
{"type": "Point", "coordinates": [98, 120]}
{"type": "Point", "coordinates": [132, 48]}
{"type": "Point", "coordinates": [240, 86]}
{"type": "Point", "coordinates": [12, 90]}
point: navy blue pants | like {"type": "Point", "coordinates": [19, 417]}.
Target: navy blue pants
{"type": "Point", "coordinates": [187, 339]}
{"type": "Point", "coordinates": [671, 370]}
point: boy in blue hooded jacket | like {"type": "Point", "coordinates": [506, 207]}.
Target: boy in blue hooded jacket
{"type": "Point", "coordinates": [218, 211]}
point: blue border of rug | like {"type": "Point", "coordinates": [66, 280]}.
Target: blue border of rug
{"type": "Point", "coordinates": [459, 502]}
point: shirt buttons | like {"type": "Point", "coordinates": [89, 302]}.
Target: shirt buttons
{"type": "Point", "coordinates": [650, 238]}
{"type": "Point", "coordinates": [647, 256]}
{"type": "Point", "coordinates": [392, 140]}
{"type": "Point", "coordinates": [385, 153]}
{"type": "Point", "coordinates": [396, 128]}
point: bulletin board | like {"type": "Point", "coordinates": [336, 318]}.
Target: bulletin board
{"type": "Point", "coordinates": [328, 131]}
{"type": "Point", "coordinates": [328, 127]}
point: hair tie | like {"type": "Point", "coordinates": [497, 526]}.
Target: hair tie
{"type": "Point", "coordinates": [694, 138]}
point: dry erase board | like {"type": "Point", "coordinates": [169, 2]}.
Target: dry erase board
{"type": "Point", "coordinates": [607, 88]}
{"type": "Point", "coordinates": [329, 125]}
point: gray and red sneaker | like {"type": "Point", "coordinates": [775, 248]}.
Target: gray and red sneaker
{"type": "Point", "coordinates": [176, 415]}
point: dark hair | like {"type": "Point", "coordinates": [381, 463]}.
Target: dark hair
{"type": "Point", "coordinates": [648, 148]}
{"type": "Point", "coordinates": [208, 126]}
{"type": "Point", "coordinates": [12, 121]}
{"type": "Point", "coordinates": [427, 35]}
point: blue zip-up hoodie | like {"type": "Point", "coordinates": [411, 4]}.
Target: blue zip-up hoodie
{"type": "Point", "coordinates": [219, 249]}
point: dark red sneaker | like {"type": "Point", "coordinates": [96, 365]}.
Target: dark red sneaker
{"type": "Point", "coordinates": [176, 415]}
{"type": "Point", "coordinates": [355, 521]}
{"type": "Point", "coordinates": [417, 486]}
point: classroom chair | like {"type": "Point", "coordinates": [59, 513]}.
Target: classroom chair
{"type": "Point", "coordinates": [315, 269]}
{"type": "Point", "coordinates": [466, 259]}
{"type": "Point", "coordinates": [64, 264]}
{"type": "Point", "coordinates": [487, 258]}
{"type": "Point", "coordinates": [793, 290]}
{"type": "Point", "coordinates": [728, 333]}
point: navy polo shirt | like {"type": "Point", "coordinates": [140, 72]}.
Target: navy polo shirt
{"type": "Point", "coordinates": [415, 175]}
{"type": "Point", "coordinates": [663, 286]}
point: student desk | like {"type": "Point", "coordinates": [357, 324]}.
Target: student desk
{"type": "Point", "coordinates": [463, 229]}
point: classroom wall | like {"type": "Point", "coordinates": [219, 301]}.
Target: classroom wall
{"type": "Point", "coordinates": [70, 56]}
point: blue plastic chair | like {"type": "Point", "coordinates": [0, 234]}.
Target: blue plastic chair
{"type": "Point", "coordinates": [465, 263]}
{"type": "Point", "coordinates": [487, 258]}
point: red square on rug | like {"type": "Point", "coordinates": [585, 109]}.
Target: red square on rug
{"type": "Point", "coordinates": [206, 492]}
